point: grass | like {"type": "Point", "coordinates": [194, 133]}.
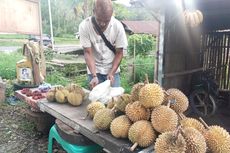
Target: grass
{"type": "Point", "coordinates": [8, 64]}
{"type": "Point", "coordinates": [19, 40]}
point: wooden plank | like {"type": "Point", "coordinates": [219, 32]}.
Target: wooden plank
{"type": "Point", "coordinates": [72, 116]}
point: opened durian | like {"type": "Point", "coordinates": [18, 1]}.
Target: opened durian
{"type": "Point", "coordinates": [195, 141]}
{"type": "Point", "coordinates": [103, 118]}
{"type": "Point", "coordinates": [120, 126]}
{"type": "Point", "coordinates": [169, 142]}
{"type": "Point", "coordinates": [141, 133]}
{"type": "Point", "coordinates": [164, 119]}
{"type": "Point", "coordinates": [151, 95]}
{"type": "Point", "coordinates": [93, 107]}
{"type": "Point", "coordinates": [135, 111]}
{"type": "Point", "coordinates": [180, 101]}
{"type": "Point", "coordinates": [218, 139]}
{"type": "Point", "coordinates": [135, 91]}
{"type": "Point", "coordinates": [61, 95]}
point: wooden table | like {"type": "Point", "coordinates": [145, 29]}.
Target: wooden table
{"type": "Point", "coordinates": [73, 116]}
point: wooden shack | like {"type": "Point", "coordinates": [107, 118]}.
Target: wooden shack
{"type": "Point", "coordinates": [184, 50]}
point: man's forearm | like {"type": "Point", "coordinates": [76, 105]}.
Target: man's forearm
{"type": "Point", "coordinates": [90, 60]}
{"type": "Point", "coordinates": [117, 61]}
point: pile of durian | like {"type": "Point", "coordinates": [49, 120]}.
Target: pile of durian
{"type": "Point", "coordinates": [152, 116]}
{"type": "Point", "coordinates": [72, 94]}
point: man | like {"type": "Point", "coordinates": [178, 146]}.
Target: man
{"type": "Point", "coordinates": [102, 63]}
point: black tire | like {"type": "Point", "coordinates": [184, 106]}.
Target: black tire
{"type": "Point", "coordinates": [202, 103]}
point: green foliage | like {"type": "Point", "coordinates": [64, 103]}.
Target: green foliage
{"type": "Point", "coordinates": [142, 43]}
{"type": "Point", "coordinates": [8, 64]}
{"type": "Point", "coordinates": [144, 65]}
{"type": "Point", "coordinates": [126, 76]}
{"type": "Point", "coordinates": [57, 78]}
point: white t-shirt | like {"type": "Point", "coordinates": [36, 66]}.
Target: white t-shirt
{"type": "Point", "coordinates": [103, 56]}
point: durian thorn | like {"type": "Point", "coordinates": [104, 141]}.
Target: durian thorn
{"type": "Point", "coordinates": [203, 122]}
{"type": "Point", "coordinates": [133, 146]}
{"type": "Point", "coordinates": [146, 78]}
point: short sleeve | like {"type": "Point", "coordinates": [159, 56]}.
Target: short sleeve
{"type": "Point", "coordinates": [121, 40]}
{"type": "Point", "coordinates": [84, 35]}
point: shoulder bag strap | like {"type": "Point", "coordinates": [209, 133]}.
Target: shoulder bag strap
{"type": "Point", "coordinates": [108, 44]}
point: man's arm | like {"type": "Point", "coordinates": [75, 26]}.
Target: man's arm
{"type": "Point", "coordinates": [116, 62]}
{"type": "Point", "coordinates": [88, 54]}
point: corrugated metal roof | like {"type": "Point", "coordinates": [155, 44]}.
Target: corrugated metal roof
{"type": "Point", "coordinates": [143, 27]}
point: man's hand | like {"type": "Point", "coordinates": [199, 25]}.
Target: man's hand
{"type": "Point", "coordinates": [93, 82]}
{"type": "Point", "coordinates": [111, 78]}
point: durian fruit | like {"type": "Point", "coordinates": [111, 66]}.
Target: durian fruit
{"type": "Point", "coordinates": [122, 101]}
{"type": "Point", "coordinates": [151, 95]}
{"type": "Point", "coordinates": [61, 95]}
{"type": "Point", "coordinates": [141, 133]}
{"type": "Point", "coordinates": [169, 142]}
{"type": "Point", "coordinates": [93, 107]}
{"type": "Point", "coordinates": [218, 139]}
{"type": "Point", "coordinates": [75, 98]}
{"type": "Point", "coordinates": [180, 101]}
{"type": "Point", "coordinates": [195, 141]}
{"type": "Point", "coordinates": [135, 111]}
{"type": "Point", "coordinates": [76, 88]}
{"type": "Point", "coordinates": [103, 118]}
{"type": "Point", "coordinates": [120, 126]}
{"type": "Point", "coordinates": [135, 91]}
{"type": "Point", "coordinates": [50, 96]}
{"type": "Point", "coordinates": [164, 119]}
{"type": "Point", "coordinates": [111, 103]}
{"type": "Point", "coordinates": [192, 122]}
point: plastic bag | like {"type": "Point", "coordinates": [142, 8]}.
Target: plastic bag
{"type": "Point", "coordinates": [103, 92]}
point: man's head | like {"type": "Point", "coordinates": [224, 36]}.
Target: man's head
{"type": "Point", "coordinates": [103, 11]}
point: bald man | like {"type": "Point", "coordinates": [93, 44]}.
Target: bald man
{"type": "Point", "coordinates": [102, 63]}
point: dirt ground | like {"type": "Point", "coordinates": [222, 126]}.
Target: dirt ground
{"type": "Point", "coordinates": [18, 134]}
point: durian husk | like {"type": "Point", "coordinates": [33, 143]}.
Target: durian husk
{"type": "Point", "coordinates": [218, 139]}
{"type": "Point", "coordinates": [135, 91]}
{"type": "Point", "coordinates": [135, 111]}
{"type": "Point", "coordinates": [168, 142]}
{"type": "Point", "coordinates": [181, 100]}
{"type": "Point", "coordinates": [164, 119]}
{"type": "Point", "coordinates": [93, 107]}
{"type": "Point", "coordinates": [75, 98]}
{"type": "Point", "coordinates": [120, 126]}
{"type": "Point", "coordinates": [122, 101]}
{"type": "Point", "coordinates": [142, 133]}
{"type": "Point", "coordinates": [151, 95]}
{"type": "Point", "coordinates": [195, 141]}
{"type": "Point", "coordinates": [103, 118]}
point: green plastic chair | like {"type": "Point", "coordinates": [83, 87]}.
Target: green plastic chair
{"type": "Point", "coordinates": [70, 148]}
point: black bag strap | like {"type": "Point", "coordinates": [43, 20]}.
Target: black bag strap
{"type": "Point", "coordinates": [108, 44]}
